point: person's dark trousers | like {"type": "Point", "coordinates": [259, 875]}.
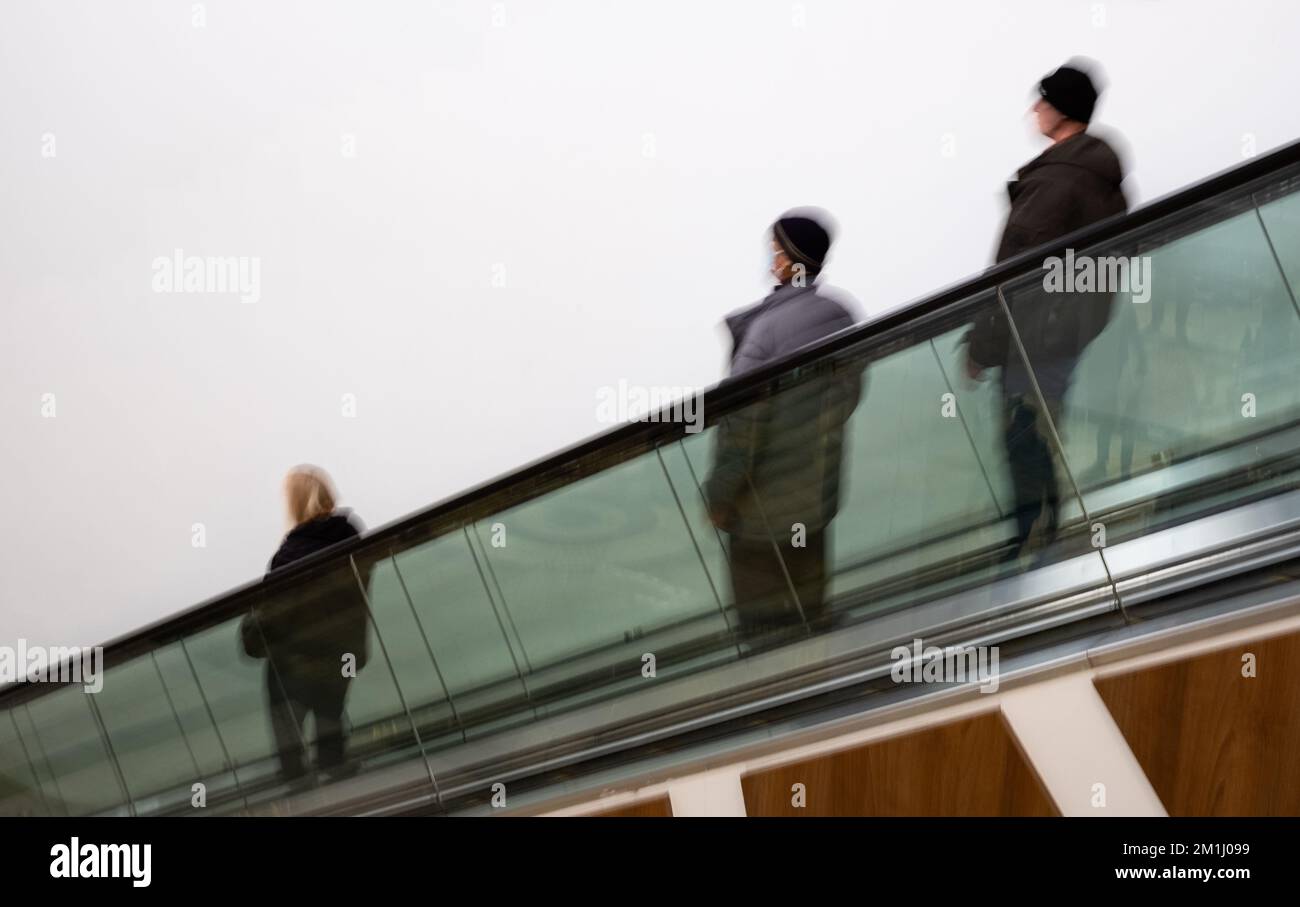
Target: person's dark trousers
{"type": "Point", "coordinates": [293, 696]}
{"type": "Point", "coordinates": [1031, 457]}
{"type": "Point", "coordinates": [760, 588]}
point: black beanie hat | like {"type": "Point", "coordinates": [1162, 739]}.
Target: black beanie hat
{"type": "Point", "coordinates": [1071, 92]}
{"type": "Point", "coordinates": [805, 235]}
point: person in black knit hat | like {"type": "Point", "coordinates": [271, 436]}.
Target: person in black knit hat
{"type": "Point", "coordinates": [1071, 92]}
{"type": "Point", "coordinates": [774, 485]}
{"type": "Point", "coordinates": [803, 239]}
{"type": "Point", "coordinates": [1072, 184]}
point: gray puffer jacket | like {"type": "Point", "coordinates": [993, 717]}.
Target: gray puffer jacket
{"type": "Point", "coordinates": [777, 461]}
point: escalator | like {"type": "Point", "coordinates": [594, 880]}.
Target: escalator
{"type": "Point", "coordinates": [575, 616]}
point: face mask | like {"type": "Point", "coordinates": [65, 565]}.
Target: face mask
{"type": "Point", "coordinates": [772, 271]}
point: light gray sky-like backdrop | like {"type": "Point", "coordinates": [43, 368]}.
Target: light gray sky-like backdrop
{"type": "Point", "coordinates": [616, 162]}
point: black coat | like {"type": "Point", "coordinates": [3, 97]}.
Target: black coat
{"type": "Point", "coordinates": [1074, 183]}
{"type": "Point", "coordinates": [309, 625]}
{"type": "Point", "coordinates": [316, 535]}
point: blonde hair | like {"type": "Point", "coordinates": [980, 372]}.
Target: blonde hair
{"type": "Point", "coordinates": [309, 493]}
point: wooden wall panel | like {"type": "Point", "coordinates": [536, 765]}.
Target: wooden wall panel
{"type": "Point", "coordinates": [660, 807]}
{"type": "Point", "coordinates": [971, 767]}
{"type": "Point", "coordinates": [1212, 742]}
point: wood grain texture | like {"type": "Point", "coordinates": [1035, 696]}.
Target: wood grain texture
{"type": "Point", "coordinates": [971, 767]}
{"type": "Point", "coordinates": [1212, 742]}
{"type": "Point", "coordinates": [660, 807]}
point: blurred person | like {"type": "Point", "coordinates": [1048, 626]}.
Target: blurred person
{"type": "Point", "coordinates": [306, 632]}
{"type": "Point", "coordinates": [777, 461]}
{"type": "Point", "coordinates": [1074, 183]}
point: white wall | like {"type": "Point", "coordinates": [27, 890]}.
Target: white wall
{"type": "Point", "coordinates": [620, 160]}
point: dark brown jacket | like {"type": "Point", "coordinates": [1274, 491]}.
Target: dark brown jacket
{"type": "Point", "coordinates": [1069, 186]}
